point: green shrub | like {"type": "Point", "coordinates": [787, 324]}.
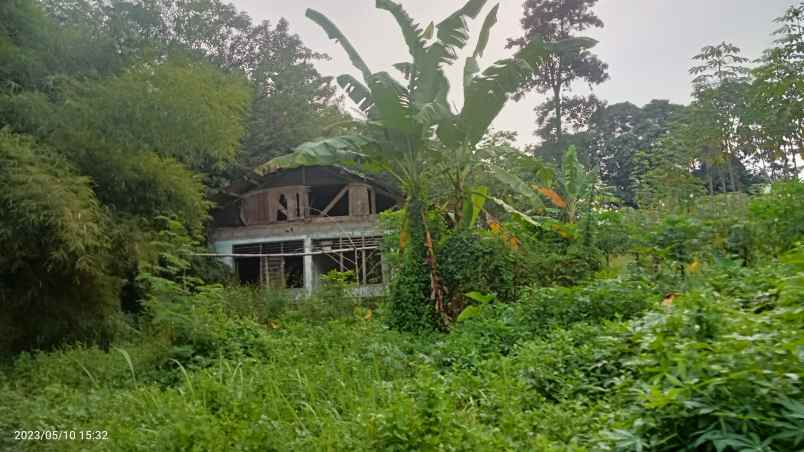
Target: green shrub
{"type": "Point", "coordinates": [677, 241]}
{"type": "Point", "coordinates": [89, 367]}
{"type": "Point", "coordinates": [200, 326]}
{"type": "Point", "coordinates": [741, 242]}
{"type": "Point", "coordinates": [541, 309]}
{"type": "Point", "coordinates": [255, 303]}
{"type": "Point", "coordinates": [335, 299]}
{"type": "Point", "coordinates": [610, 231]}
{"type": "Point", "coordinates": [492, 332]}
{"type": "Point", "coordinates": [475, 262]}
{"type": "Point", "coordinates": [498, 328]}
{"type": "Point", "coordinates": [716, 377]}
{"type": "Point", "coordinates": [778, 216]}
{"type": "Point", "coordinates": [555, 256]}
{"type": "Point", "coordinates": [584, 361]}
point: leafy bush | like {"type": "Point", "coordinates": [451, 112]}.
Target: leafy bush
{"type": "Point", "coordinates": [498, 328]}
{"type": "Point", "coordinates": [716, 377]}
{"type": "Point", "coordinates": [53, 251]}
{"type": "Point", "coordinates": [741, 242]}
{"type": "Point", "coordinates": [256, 303]}
{"type": "Point", "coordinates": [88, 367]}
{"type": "Point", "coordinates": [333, 300]}
{"type": "Point", "coordinates": [779, 217]}
{"type": "Point", "coordinates": [469, 261]}
{"type": "Point", "coordinates": [584, 361]}
{"type": "Point", "coordinates": [555, 255]}
{"type": "Point", "coordinates": [541, 309]}
{"type": "Point", "coordinates": [199, 327]}
{"type": "Point", "coordinates": [678, 241]}
{"type": "Point", "coordinates": [492, 332]}
{"type": "Point", "coordinates": [611, 235]}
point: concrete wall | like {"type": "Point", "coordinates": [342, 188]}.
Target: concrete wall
{"type": "Point", "coordinates": [313, 228]}
{"type": "Point", "coordinates": [223, 241]}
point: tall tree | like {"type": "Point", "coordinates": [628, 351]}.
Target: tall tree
{"type": "Point", "coordinates": [294, 103]}
{"type": "Point", "coordinates": [578, 112]}
{"type": "Point", "coordinates": [147, 135]}
{"type": "Point", "coordinates": [117, 141]}
{"type": "Point", "coordinates": [777, 99]}
{"type": "Point", "coordinates": [720, 84]}
{"type": "Point", "coordinates": [557, 20]}
{"type": "Point", "coordinates": [667, 181]}
{"type": "Point", "coordinates": [617, 133]}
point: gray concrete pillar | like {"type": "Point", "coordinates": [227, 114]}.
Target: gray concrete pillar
{"type": "Point", "coordinates": [224, 248]}
{"type": "Point", "coordinates": [308, 265]}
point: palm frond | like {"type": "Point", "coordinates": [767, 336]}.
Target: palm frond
{"type": "Point", "coordinates": [519, 186]}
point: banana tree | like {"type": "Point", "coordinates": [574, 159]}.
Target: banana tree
{"type": "Point", "coordinates": [411, 123]}
{"type": "Point", "coordinates": [576, 187]}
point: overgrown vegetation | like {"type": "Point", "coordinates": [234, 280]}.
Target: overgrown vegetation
{"type": "Point", "coordinates": [638, 287]}
{"type": "Point", "coordinates": [116, 114]}
{"type": "Point", "coordinates": [646, 359]}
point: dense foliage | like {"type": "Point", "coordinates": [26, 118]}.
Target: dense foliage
{"type": "Point", "coordinates": [639, 288]}
{"type": "Point", "coordinates": [113, 115]}
{"type": "Point", "coordinates": [52, 225]}
{"type": "Point", "coordinates": [613, 364]}
{"type": "Point", "coordinates": [743, 126]}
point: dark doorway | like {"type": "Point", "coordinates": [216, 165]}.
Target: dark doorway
{"type": "Point", "coordinates": [273, 268]}
{"type": "Point", "coordinates": [294, 272]}
{"type": "Point", "coordinates": [248, 270]}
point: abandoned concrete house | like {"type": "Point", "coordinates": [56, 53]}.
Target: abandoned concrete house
{"type": "Point", "coordinates": [288, 228]}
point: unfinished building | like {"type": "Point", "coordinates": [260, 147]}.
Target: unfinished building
{"type": "Point", "coordinates": [286, 229]}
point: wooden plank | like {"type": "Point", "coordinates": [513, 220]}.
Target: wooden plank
{"type": "Point", "coordinates": [273, 202]}
{"type": "Point", "coordinates": [332, 203]}
{"type": "Point", "coordinates": [293, 207]}
{"type": "Point", "coordinates": [365, 264]}
{"type": "Point", "coordinates": [305, 202]}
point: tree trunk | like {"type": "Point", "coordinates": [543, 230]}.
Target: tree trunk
{"type": "Point", "coordinates": [786, 166]}
{"type": "Point", "coordinates": [732, 179]}
{"type": "Point", "coordinates": [559, 112]}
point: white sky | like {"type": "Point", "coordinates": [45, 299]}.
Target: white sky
{"type": "Point", "coordinates": [647, 43]}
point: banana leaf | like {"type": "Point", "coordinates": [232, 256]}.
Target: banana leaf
{"type": "Point", "coordinates": [335, 34]}
{"type": "Point", "coordinates": [359, 94]}
{"type": "Point", "coordinates": [343, 150]}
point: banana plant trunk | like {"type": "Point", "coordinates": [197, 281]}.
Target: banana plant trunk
{"type": "Point", "coordinates": [412, 293]}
